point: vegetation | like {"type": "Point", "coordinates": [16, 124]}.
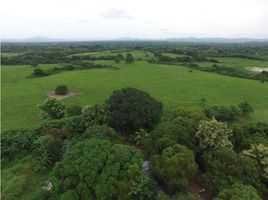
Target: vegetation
{"type": "Point", "coordinates": [151, 130]}
{"type": "Point", "coordinates": [131, 109]}
{"type": "Point", "coordinates": [174, 166]}
{"type": "Point", "coordinates": [52, 109]}
{"type": "Point", "coordinates": [238, 191]}
{"type": "Point", "coordinates": [61, 90]}
{"type": "Point", "coordinates": [109, 172]}
{"type": "Point", "coordinates": [213, 134]}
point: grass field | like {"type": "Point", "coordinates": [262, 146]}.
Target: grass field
{"type": "Point", "coordinates": [175, 86]}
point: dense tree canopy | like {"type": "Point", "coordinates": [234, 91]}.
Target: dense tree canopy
{"type": "Point", "coordinates": [238, 191]}
{"type": "Point", "coordinates": [224, 167]}
{"type": "Point", "coordinates": [95, 169]}
{"type": "Point", "coordinates": [174, 166]}
{"type": "Point", "coordinates": [131, 109]}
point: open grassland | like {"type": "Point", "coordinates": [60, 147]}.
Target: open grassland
{"type": "Point", "coordinates": [175, 86]}
{"type": "Point", "coordinates": [240, 63]}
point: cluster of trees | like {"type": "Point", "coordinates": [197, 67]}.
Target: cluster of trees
{"type": "Point", "coordinates": [184, 59]}
{"type": "Point", "coordinates": [86, 153]}
{"type": "Point", "coordinates": [229, 114]}
{"type": "Point", "coordinates": [37, 72]}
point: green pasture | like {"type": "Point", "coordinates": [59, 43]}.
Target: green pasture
{"type": "Point", "coordinates": [174, 86]}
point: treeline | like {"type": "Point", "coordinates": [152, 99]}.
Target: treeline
{"type": "Point", "coordinates": [37, 72]}
{"type": "Point", "coordinates": [189, 58]}
{"type": "Point", "coordinates": [58, 52]}
{"type": "Point", "coordinates": [50, 58]}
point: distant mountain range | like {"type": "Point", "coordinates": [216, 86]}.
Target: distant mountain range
{"type": "Point", "coordinates": [40, 39]}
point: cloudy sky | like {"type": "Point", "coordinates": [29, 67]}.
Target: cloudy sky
{"type": "Point", "coordinates": [110, 19]}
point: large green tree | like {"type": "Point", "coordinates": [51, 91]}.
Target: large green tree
{"type": "Point", "coordinates": [95, 169]}
{"type": "Point", "coordinates": [224, 167]}
{"type": "Point", "coordinates": [174, 167]}
{"type": "Point", "coordinates": [131, 109]}
{"type": "Point", "coordinates": [238, 192]}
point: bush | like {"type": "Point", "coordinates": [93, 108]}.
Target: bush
{"type": "Point", "coordinates": [49, 145]}
{"type": "Point", "coordinates": [174, 166]}
{"type": "Point", "coordinates": [131, 109]}
{"type": "Point", "coordinates": [99, 132]}
{"type": "Point", "coordinates": [94, 115]}
{"type": "Point", "coordinates": [15, 142]}
{"type": "Point", "coordinates": [52, 109]}
{"type": "Point", "coordinates": [245, 108]}
{"type": "Point", "coordinates": [224, 167]}
{"type": "Point", "coordinates": [166, 134]}
{"type": "Point", "coordinates": [213, 134]}
{"type": "Point", "coordinates": [129, 58]}
{"type": "Point", "coordinates": [61, 90]}
{"type": "Point", "coordinates": [222, 113]}
{"type": "Point", "coordinates": [142, 189]}
{"type": "Point", "coordinates": [189, 113]}
{"type": "Point", "coordinates": [74, 110]}
{"type": "Point", "coordinates": [260, 154]}
{"type": "Point", "coordinates": [39, 72]}
{"type": "Point", "coordinates": [68, 125]}
{"type": "Point", "coordinates": [238, 191]}
{"type": "Point", "coordinates": [105, 176]}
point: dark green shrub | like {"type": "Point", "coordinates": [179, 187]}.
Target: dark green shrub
{"type": "Point", "coordinates": [39, 72]}
{"type": "Point", "coordinates": [174, 166]}
{"type": "Point", "coordinates": [73, 110]}
{"type": "Point", "coordinates": [52, 109]}
{"type": "Point", "coordinates": [131, 109]}
{"type": "Point", "coordinates": [166, 134]}
{"type": "Point", "coordinates": [222, 113]}
{"type": "Point", "coordinates": [95, 169]}
{"type": "Point", "coordinates": [129, 58]}
{"type": "Point", "coordinates": [224, 167]}
{"type": "Point", "coordinates": [49, 145]}
{"type": "Point", "coordinates": [142, 189]}
{"type": "Point", "coordinates": [245, 108]}
{"type": "Point", "coordinates": [14, 142]}
{"type": "Point", "coordinates": [61, 90]}
{"type": "Point", "coordinates": [238, 191]}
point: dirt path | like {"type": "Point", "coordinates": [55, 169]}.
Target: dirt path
{"type": "Point", "coordinates": [52, 94]}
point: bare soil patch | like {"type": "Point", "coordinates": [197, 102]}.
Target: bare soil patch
{"type": "Point", "coordinates": [52, 94]}
{"type": "Point", "coordinates": [258, 69]}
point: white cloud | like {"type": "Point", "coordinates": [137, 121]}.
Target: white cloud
{"type": "Point", "coordinates": [88, 19]}
{"type": "Point", "coordinates": [113, 13]}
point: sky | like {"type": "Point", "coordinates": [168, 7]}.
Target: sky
{"type": "Point", "coordinates": [144, 19]}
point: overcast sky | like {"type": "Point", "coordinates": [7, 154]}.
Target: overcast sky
{"type": "Point", "coordinates": [110, 19]}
